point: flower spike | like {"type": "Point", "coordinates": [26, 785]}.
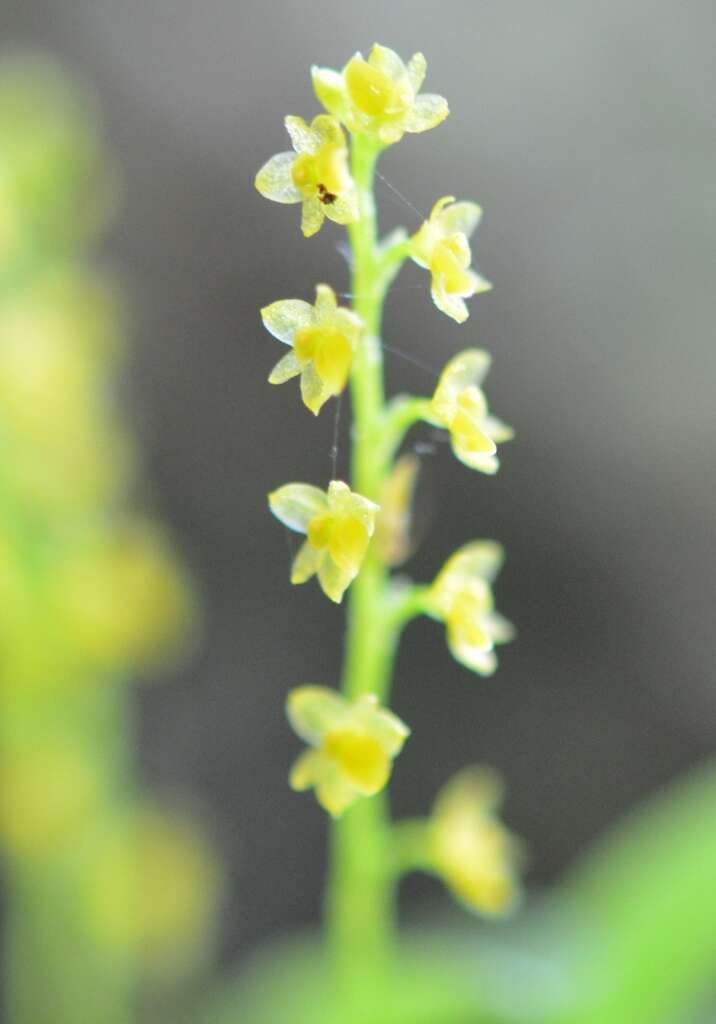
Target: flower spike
{"type": "Point", "coordinates": [316, 174]}
{"type": "Point", "coordinates": [472, 850]}
{"type": "Point", "coordinates": [460, 406]}
{"type": "Point", "coordinates": [323, 338]}
{"type": "Point", "coordinates": [441, 246]}
{"type": "Point", "coordinates": [353, 745]}
{"type": "Point", "coordinates": [339, 525]}
{"type": "Point", "coordinates": [461, 597]}
{"type": "Point", "coordinates": [380, 97]}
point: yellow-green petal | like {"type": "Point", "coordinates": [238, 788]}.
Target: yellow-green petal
{"type": "Point", "coordinates": [312, 216]}
{"type": "Point", "coordinates": [296, 504]}
{"type": "Point", "coordinates": [462, 217]}
{"type": "Point", "coordinates": [334, 580]}
{"type": "Point", "coordinates": [427, 112]}
{"type": "Point", "coordinates": [305, 564]}
{"type": "Point", "coordinates": [313, 391]}
{"type": "Point", "coordinates": [330, 90]}
{"type": "Point", "coordinates": [274, 180]}
{"type": "Point", "coordinates": [416, 68]}
{"type": "Point", "coordinates": [285, 317]}
{"type": "Point", "coordinates": [285, 369]}
{"type": "Point", "coordinates": [313, 710]}
{"type": "Point", "coordinates": [303, 138]}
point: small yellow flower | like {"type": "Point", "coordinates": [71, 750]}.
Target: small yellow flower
{"type": "Point", "coordinates": [339, 525]}
{"type": "Point", "coordinates": [379, 96]}
{"type": "Point", "coordinates": [316, 174]}
{"type": "Point", "coordinates": [472, 850]}
{"type": "Point", "coordinates": [323, 338]}
{"type": "Point", "coordinates": [393, 529]}
{"type": "Point", "coordinates": [353, 745]}
{"type": "Point", "coordinates": [441, 246]}
{"type": "Point", "coordinates": [460, 406]}
{"type": "Point", "coordinates": [461, 597]}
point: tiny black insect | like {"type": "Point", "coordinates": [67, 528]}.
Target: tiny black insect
{"type": "Point", "coordinates": [325, 196]}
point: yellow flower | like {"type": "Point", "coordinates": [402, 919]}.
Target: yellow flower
{"type": "Point", "coordinates": [474, 853]}
{"type": "Point", "coordinates": [151, 887]}
{"type": "Point", "coordinates": [460, 406]}
{"type": "Point", "coordinates": [379, 96]}
{"type": "Point", "coordinates": [339, 525]}
{"type": "Point", "coordinates": [323, 338]}
{"type": "Point", "coordinates": [461, 597]}
{"type": "Point", "coordinates": [353, 745]}
{"type": "Point", "coordinates": [316, 174]}
{"type": "Point", "coordinates": [441, 245]}
{"type": "Point", "coordinates": [393, 528]}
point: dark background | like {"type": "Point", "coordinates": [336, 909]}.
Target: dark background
{"type": "Point", "coordinates": [586, 132]}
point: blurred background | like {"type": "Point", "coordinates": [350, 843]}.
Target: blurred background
{"type": "Point", "coordinates": [586, 133]}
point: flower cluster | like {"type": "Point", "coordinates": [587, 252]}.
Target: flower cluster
{"type": "Point", "coordinates": [353, 740]}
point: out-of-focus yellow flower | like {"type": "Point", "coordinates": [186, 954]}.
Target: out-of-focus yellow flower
{"type": "Point", "coordinates": [339, 524]}
{"type": "Point", "coordinates": [323, 338]}
{"type": "Point", "coordinates": [49, 791]}
{"type": "Point", "coordinates": [122, 600]}
{"type": "Point", "coordinates": [353, 745]}
{"type": "Point", "coordinates": [461, 597]}
{"type": "Point", "coordinates": [460, 406]}
{"type": "Point", "coordinates": [56, 189]}
{"type": "Point", "coordinates": [474, 853]}
{"type": "Point", "coordinates": [379, 96]}
{"type": "Point", "coordinates": [151, 888]}
{"type": "Point", "coordinates": [316, 174]}
{"type": "Point", "coordinates": [393, 526]}
{"type": "Point", "coordinates": [441, 246]}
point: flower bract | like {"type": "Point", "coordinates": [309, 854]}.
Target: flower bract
{"type": "Point", "coordinates": [339, 524]}
{"type": "Point", "coordinates": [315, 174]}
{"type": "Point", "coordinates": [460, 406]}
{"type": "Point", "coordinates": [441, 245]}
{"type": "Point", "coordinates": [461, 597]}
{"type": "Point", "coordinates": [323, 338]}
{"type": "Point", "coordinates": [380, 96]}
{"type": "Point", "coordinates": [352, 743]}
{"type": "Point", "coordinates": [474, 853]}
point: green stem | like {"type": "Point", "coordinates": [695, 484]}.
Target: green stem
{"type": "Point", "coordinates": [361, 897]}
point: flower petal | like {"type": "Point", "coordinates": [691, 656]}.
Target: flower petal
{"type": "Point", "coordinates": [416, 71]}
{"type": "Point", "coordinates": [334, 580]}
{"type": "Point", "coordinates": [330, 90]}
{"type": "Point", "coordinates": [285, 317]}
{"type": "Point", "coordinates": [328, 131]}
{"type": "Point", "coordinates": [325, 304]}
{"type": "Point", "coordinates": [285, 369]}
{"type": "Point", "coordinates": [312, 216]}
{"type": "Point", "coordinates": [296, 504]}
{"type": "Point", "coordinates": [387, 61]}
{"type": "Point", "coordinates": [344, 209]}
{"type": "Point", "coordinates": [303, 138]}
{"type": "Point", "coordinates": [498, 431]}
{"type": "Point", "coordinates": [465, 369]}
{"type": "Point", "coordinates": [475, 460]}
{"type": "Point", "coordinates": [305, 564]}
{"type": "Point", "coordinates": [428, 111]}
{"type": "Point", "coordinates": [461, 217]}
{"type": "Point", "coordinates": [314, 392]}
{"type": "Point", "coordinates": [452, 305]}
{"type": "Point", "coordinates": [480, 559]}
{"type": "Point", "coordinates": [475, 658]}
{"type": "Point", "coordinates": [501, 629]}
{"type": "Point", "coordinates": [382, 723]}
{"type": "Point", "coordinates": [274, 180]}
{"type": "Point", "coordinates": [313, 710]}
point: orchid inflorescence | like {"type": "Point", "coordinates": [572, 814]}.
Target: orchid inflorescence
{"type": "Point", "coordinates": [355, 533]}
